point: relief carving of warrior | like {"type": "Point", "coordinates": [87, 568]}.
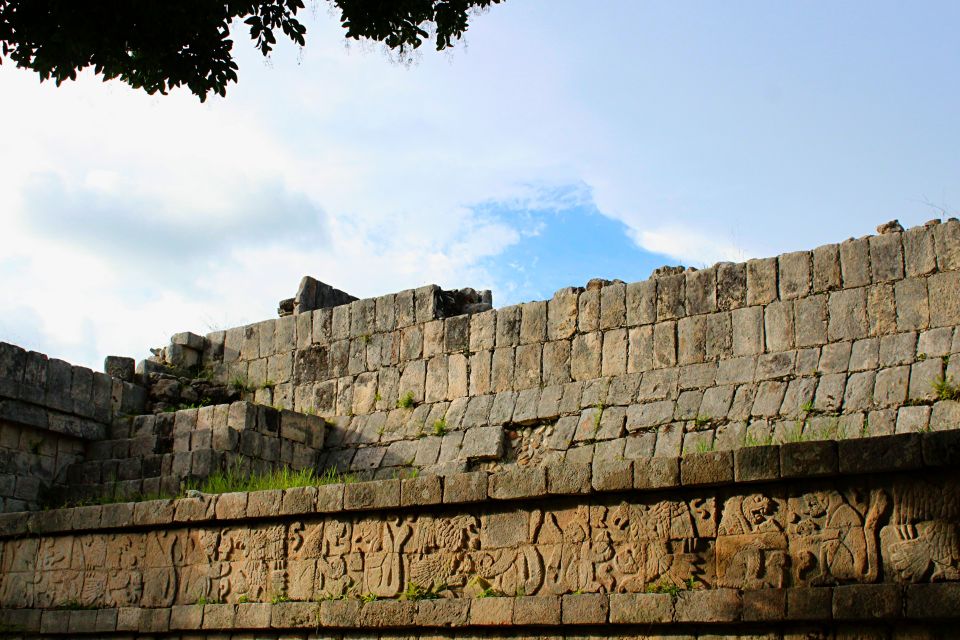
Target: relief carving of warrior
{"type": "Point", "coordinates": [664, 544]}
{"type": "Point", "coordinates": [514, 571]}
{"type": "Point", "coordinates": [440, 557]}
{"type": "Point", "coordinates": [377, 545]}
{"type": "Point", "coordinates": [922, 541]}
{"type": "Point", "coordinates": [162, 557]}
{"type": "Point", "coordinates": [834, 536]}
{"type": "Point", "coordinates": [751, 547]}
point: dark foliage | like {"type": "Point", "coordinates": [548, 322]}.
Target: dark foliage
{"type": "Point", "coordinates": [156, 45]}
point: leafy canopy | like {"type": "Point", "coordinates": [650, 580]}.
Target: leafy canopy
{"type": "Point", "coordinates": [156, 45]}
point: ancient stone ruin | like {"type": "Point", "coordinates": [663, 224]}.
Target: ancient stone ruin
{"type": "Point", "coordinates": [758, 450]}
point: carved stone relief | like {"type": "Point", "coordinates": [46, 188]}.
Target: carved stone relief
{"type": "Point", "coordinates": [906, 531]}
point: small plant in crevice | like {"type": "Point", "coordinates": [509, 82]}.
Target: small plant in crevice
{"type": "Point", "coordinates": [751, 440]}
{"type": "Point", "coordinates": [414, 591]}
{"type": "Point", "coordinates": [807, 407]}
{"type": "Point", "coordinates": [280, 597]}
{"type": "Point", "coordinates": [440, 427]}
{"type": "Point", "coordinates": [240, 384]}
{"type": "Point", "coordinates": [243, 599]}
{"type": "Point", "coordinates": [944, 388]}
{"type": "Point", "coordinates": [406, 401]}
{"type": "Point", "coordinates": [367, 597]}
{"type": "Point", "coordinates": [268, 384]}
{"type": "Point", "coordinates": [700, 421]}
{"type": "Point", "coordinates": [598, 416]}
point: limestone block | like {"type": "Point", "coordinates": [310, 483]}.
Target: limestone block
{"type": "Point", "coordinates": [425, 303]}
{"type": "Point", "coordinates": [946, 238]}
{"type": "Point", "coordinates": [691, 339]}
{"type": "Point", "coordinates": [568, 478]}
{"type": "Point", "coordinates": [436, 381]}
{"type": "Point", "coordinates": [809, 603]}
{"type": "Point", "coordinates": [866, 602]}
{"type": "Point", "coordinates": [900, 348]}
{"type": "Point", "coordinates": [585, 356]}
{"type": "Point", "coordinates": [322, 330]}
{"type": "Point", "coordinates": [890, 386]}
{"type": "Point", "coordinates": [482, 443]}
{"type": "Point", "coordinates": [795, 275]}
{"type": "Point", "coordinates": [527, 368]}
{"type": "Point", "coordinates": [855, 262]}
{"type": "Point", "coordinates": [802, 459]}
{"type": "Point", "coordinates": [465, 487]}
{"type": "Point", "coordinates": [935, 343]}
{"type": "Point", "coordinates": [929, 601]}
{"type": "Point", "coordinates": [640, 349]}
{"type": "Point", "coordinates": [712, 467]}
{"type": "Point", "coordinates": [865, 354]}
{"type": "Point", "coordinates": [669, 440]}
{"type": "Point", "coordinates": [433, 338]}
{"type": "Point", "coordinates": [944, 296]}
{"type": "Point", "coordinates": [480, 365]}
{"type": "Point", "coordinates": [708, 605]}
{"type": "Point", "coordinates": [775, 365]}
{"type": "Point", "coordinates": [562, 314]}
{"type": "Point", "coordinates": [848, 315]}
{"type": "Point", "coordinates": [800, 394]}
{"type": "Point", "coordinates": [340, 613]}
{"type": "Point", "coordinates": [404, 308]}
{"type": "Point", "coordinates": [826, 268]}
{"type": "Point", "coordinates": [641, 302]}
{"type": "Point", "coordinates": [764, 604]}
{"type": "Point", "coordinates": [556, 362]}
{"type": "Point", "coordinates": [375, 494]}
{"type": "Point", "coordinates": [883, 313]}
{"type": "Point", "coordinates": [648, 415]}
{"type": "Point", "coordinates": [923, 374]}
{"type": "Point", "coordinates": [457, 376]}
{"type": "Point", "coordinates": [611, 474]}
{"type": "Point", "coordinates": [501, 374]}
{"type": "Point", "coordinates": [518, 483]}
{"type": "Point", "coordinates": [548, 407]}
{"type": "Point", "coordinates": [483, 330]}
{"type": "Point", "coordinates": [525, 409]}
{"type": "Point", "coordinates": [736, 370]}
{"type": "Point", "coordinates": [769, 398]}
{"type": "Point", "coordinates": [670, 297]}
{"type": "Point", "coordinates": [584, 608]}
{"type": "Point", "coordinates": [761, 281]}
{"type": "Point", "coordinates": [945, 415]}
{"type": "Point", "coordinates": [886, 257]}
{"type": "Point", "coordinates": [613, 306]}
{"type": "Point", "coordinates": [411, 342]}
{"type": "Point", "coordinates": [859, 391]}
{"type": "Point", "coordinates": [412, 380]}
{"type": "Point", "coordinates": [779, 326]}
{"type": "Point", "coordinates": [536, 610]}
{"type": "Point", "coordinates": [457, 333]}
{"type": "Point", "coordinates": [116, 367]}
{"type": "Point", "coordinates": [641, 608]}
{"type": "Point", "coordinates": [747, 331]}
{"type": "Point", "coordinates": [491, 612]}
{"type": "Point", "coordinates": [919, 255]}
{"type": "Point", "coordinates": [912, 419]}
{"type": "Point", "coordinates": [533, 322]}
{"type": "Point", "coordinates": [719, 341]}
{"type": "Point", "coordinates": [756, 464]}
{"type": "Point", "coordinates": [614, 358]}
{"type": "Point", "coordinates": [665, 344]}
{"type": "Point", "coordinates": [423, 490]}
{"type": "Point", "coordinates": [508, 326]}
{"type": "Point", "coordinates": [913, 311]}
{"type": "Point", "coordinates": [295, 615]}
{"type": "Point", "coordinates": [701, 291]}
{"type": "Point", "coordinates": [442, 612]}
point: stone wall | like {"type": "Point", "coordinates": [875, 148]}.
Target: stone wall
{"type": "Point", "coordinates": [817, 538]}
{"type": "Point", "coordinates": [840, 342]}
{"type": "Point", "coordinates": [152, 455]}
{"type": "Point", "coordinates": [31, 461]}
{"type": "Point", "coordinates": [49, 411]}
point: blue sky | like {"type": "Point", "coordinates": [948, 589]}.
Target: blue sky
{"type": "Point", "coordinates": [564, 140]}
